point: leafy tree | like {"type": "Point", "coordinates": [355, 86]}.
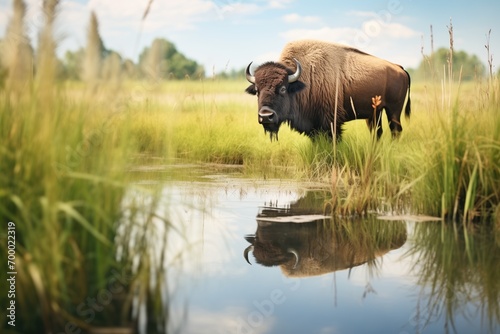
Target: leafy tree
{"type": "Point", "coordinates": [112, 67]}
{"type": "Point", "coordinates": [72, 64]}
{"type": "Point", "coordinates": [433, 66]}
{"type": "Point", "coordinates": [130, 70]}
{"type": "Point", "coordinates": [160, 61]}
{"type": "Point", "coordinates": [163, 61]}
{"type": "Point", "coordinates": [233, 74]}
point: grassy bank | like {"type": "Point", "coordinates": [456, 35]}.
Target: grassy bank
{"type": "Point", "coordinates": [446, 163]}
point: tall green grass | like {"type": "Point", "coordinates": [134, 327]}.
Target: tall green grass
{"type": "Point", "coordinates": [461, 169]}
{"type": "Point", "coordinates": [212, 121]}
{"type": "Point", "coordinates": [63, 181]}
{"type": "Point", "coordinates": [446, 163]}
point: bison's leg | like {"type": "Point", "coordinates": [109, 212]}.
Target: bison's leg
{"type": "Point", "coordinates": [396, 128]}
{"type": "Point", "coordinates": [394, 119]}
{"type": "Point", "coordinates": [375, 123]}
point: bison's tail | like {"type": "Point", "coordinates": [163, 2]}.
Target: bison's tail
{"type": "Point", "coordinates": [408, 102]}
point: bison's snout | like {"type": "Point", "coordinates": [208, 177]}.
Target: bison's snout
{"type": "Point", "coordinates": [267, 116]}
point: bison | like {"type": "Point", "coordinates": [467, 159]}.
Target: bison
{"type": "Point", "coordinates": [316, 87]}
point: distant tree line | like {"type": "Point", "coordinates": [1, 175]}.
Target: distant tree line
{"type": "Point", "coordinates": [232, 74]}
{"type": "Point", "coordinates": [160, 61]}
{"type": "Point", "coordinates": [468, 67]}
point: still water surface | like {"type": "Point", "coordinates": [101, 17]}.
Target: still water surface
{"type": "Point", "coordinates": [310, 273]}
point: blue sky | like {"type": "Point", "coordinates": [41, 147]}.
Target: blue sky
{"type": "Point", "coordinates": [229, 34]}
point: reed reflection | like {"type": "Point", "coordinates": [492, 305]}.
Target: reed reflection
{"type": "Point", "coordinates": [458, 274]}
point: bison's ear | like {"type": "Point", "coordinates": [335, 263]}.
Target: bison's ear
{"type": "Point", "coordinates": [251, 90]}
{"type": "Point", "coordinates": [296, 87]}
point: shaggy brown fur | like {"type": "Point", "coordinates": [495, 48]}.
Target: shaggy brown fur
{"type": "Point", "coordinates": [310, 109]}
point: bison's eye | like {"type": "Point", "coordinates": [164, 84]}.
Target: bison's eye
{"type": "Point", "coordinates": [282, 90]}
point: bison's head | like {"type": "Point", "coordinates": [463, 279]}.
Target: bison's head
{"type": "Point", "coordinates": [270, 252]}
{"type": "Point", "coordinates": [275, 85]}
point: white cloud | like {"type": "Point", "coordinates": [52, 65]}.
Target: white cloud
{"type": "Point", "coordinates": [329, 330]}
{"type": "Point", "coordinates": [72, 24]}
{"type": "Point", "coordinates": [375, 28]}
{"type": "Point", "coordinates": [169, 15]}
{"type": "Point", "coordinates": [296, 18]}
{"type": "Point", "coordinates": [391, 41]}
{"type": "Point", "coordinates": [398, 30]}
{"type": "Point", "coordinates": [268, 56]}
{"type": "Point", "coordinates": [5, 14]}
{"type": "Point", "coordinates": [370, 31]}
{"type": "Point", "coordinates": [328, 34]}
{"type": "Point", "coordinates": [279, 3]}
{"type": "Point", "coordinates": [230, 320]}
{"type": "Point", "coordinates": [359, 13]}
{"type": "Point", "coordinates": [239, 8]}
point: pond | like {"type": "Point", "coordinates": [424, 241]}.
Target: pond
{"type": "Point", "coordinates": [308, 272]}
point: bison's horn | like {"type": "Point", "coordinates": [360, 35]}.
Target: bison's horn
{"type": "Point", "coordinates": [250, 77]}
{"type": "Point", "coordinates": [294, 77]}
{"type": "Point", "coordinates": [294, 252]}
{"type": "Point", "coordinates": [245, 254]}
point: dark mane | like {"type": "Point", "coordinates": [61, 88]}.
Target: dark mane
{"type": "Point", "coordinates": [276, 65]}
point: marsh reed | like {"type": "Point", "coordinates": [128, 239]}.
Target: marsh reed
{"type": "Point", "coordinates": [64, 183]}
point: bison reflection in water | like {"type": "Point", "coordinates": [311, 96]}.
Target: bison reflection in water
{"type": "Point", "coordinates": [320, 246]}
{"type": "Point", "coordinates": [315, 87]}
